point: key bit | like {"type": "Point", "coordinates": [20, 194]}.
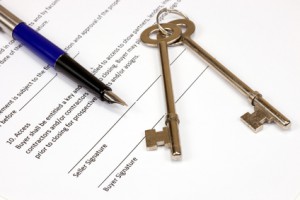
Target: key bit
{"type": "Point", "coordinates": [264, 112]}
{"type": "Point", "coordinates": [256, 120]}
{"type": "Point", "coordinates": [154, 139]}
{"type": "Point", "coordinates": [170, 134]}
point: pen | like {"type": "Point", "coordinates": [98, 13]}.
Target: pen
{"type": "Point", "coordinates": [54, 56]}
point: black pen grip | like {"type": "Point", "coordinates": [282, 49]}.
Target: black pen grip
{"type": "Point", "coordinates": [74, 70]}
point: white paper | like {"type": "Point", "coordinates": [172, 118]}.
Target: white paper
{"type": "Point", "coordinates": [96, 150]}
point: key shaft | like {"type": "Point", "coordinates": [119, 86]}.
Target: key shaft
{"type": "Point", "coordinates": [172, 120]}
{"type": "Point", "coordinates": [221, 69]}
{"type": "Point", "coordinates": [264, 111]}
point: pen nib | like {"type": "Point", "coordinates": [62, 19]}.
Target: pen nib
{"type": "Point", "coordinates": [110, 97]}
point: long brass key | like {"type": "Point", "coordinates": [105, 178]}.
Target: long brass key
{"type": "Point", "coordinates": [263, 111]}
{"type": "Point", "coordinates": [170, 134]}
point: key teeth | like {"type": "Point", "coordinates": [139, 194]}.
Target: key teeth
{"type": "Point", "coordinates": [251, 121]}
{"type": "Point", "coordinates": [150, 143]}
{"type": "Point", "coordinates": [256, 120]}
{"type": "Point", "coordinates": [152, 148]}
{"type": "Point", "coordinates": [155, 139]}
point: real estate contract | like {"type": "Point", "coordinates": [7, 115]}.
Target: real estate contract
{"type": "Point", "coordinates": [59, 141]}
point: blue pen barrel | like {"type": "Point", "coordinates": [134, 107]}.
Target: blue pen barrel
{"type": "Point", "coordinates": [55, 56]}
{"type": "Point", "coordinates": [41, 46]}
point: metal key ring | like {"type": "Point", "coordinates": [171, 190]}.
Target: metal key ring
{"type": "Point", "coordinates": [174, 36]}
{"type": "Point", "coordinates": [160, 27]}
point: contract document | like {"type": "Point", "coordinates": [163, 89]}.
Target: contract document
{"type": "Point", "coordinates": [58, 141]}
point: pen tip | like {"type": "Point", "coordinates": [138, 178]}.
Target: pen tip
{"type": "Point", "coordinates": [111, 97]}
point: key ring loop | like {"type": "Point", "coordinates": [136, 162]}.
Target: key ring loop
{"type": "Point", "coordinates": [165, 10]}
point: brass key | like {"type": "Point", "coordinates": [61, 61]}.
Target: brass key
{"type": "Point", "coordinates": [263, 111]}
{"type": "Point", "coordinates": [170, 134]}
